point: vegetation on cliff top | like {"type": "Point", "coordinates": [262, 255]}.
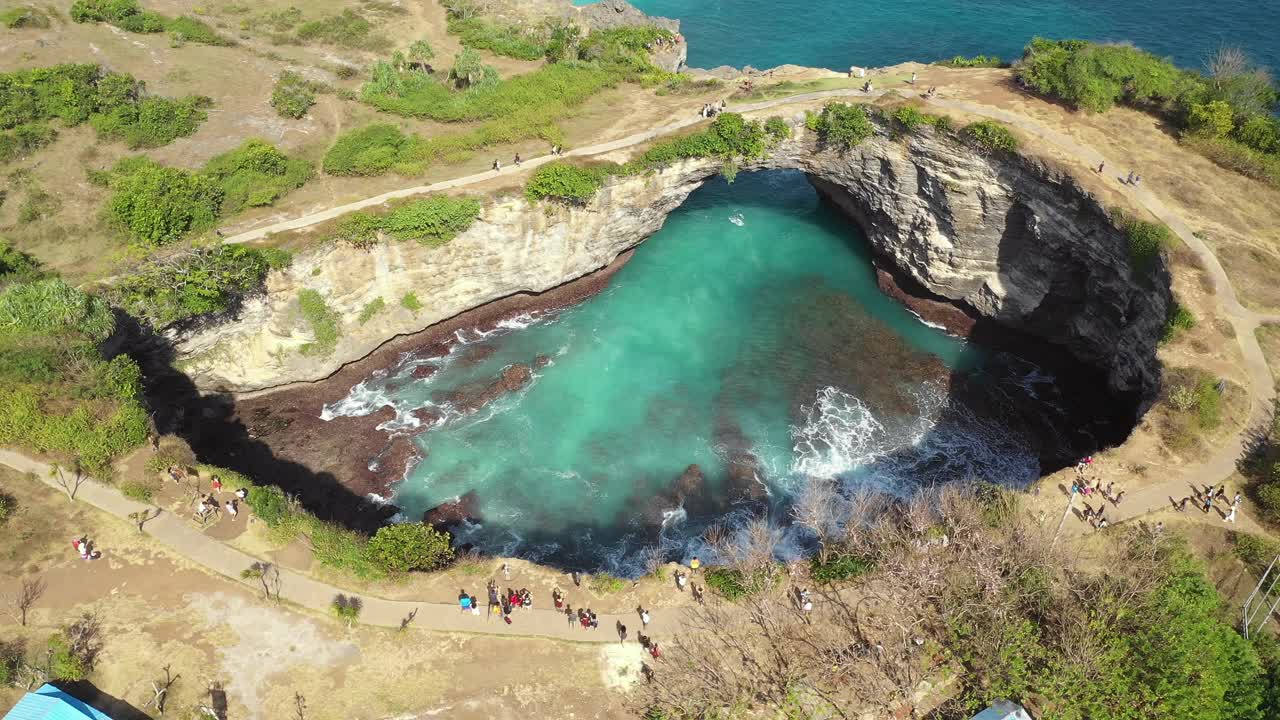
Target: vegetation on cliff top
{"type": "Point", "coordinates": [1226, 113]}
{"type": "Point", "coordinates": [1140, 634]}
{"type": "Point", "coordinates": [431, 221]}
{"type": "Point", "coordinates": [114, 104]}
{"type": "Point", "coordinates": [155, 205]}
{"type": "Point", "coordinates": [129, 15]}
{"type": "Point", "coordinates": [518, 108]}
{"type": "Point", "coordinates": [58, 393]}
{"type": "Point", "coordinates": [730, 137]}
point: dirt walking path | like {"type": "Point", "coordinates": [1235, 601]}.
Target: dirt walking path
{"type": "Point", "coordinates": [184, 538]}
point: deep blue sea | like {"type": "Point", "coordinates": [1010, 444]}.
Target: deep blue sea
{"type": "Point", "coordinates": [839, 33]}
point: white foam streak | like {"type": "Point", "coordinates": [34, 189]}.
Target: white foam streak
{"type": "Point", "coordinates": [839, 434]}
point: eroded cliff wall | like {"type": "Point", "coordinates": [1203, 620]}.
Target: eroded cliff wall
{"type": "Point", "coordinates": [1003, 235]}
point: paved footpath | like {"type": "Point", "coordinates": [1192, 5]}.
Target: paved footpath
{"type": "Point", "coordinates": [183, 538]}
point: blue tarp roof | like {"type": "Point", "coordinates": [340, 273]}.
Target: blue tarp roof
{"type": "Point", "coordinates": [50, 703]}
{"type": "Point", "coordinates": [1003, 710]}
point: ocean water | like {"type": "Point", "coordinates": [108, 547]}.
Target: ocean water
{"type": "Point", "coordinates": [836, 33]}
{"type": "Point", "coordinates": [747, 337]}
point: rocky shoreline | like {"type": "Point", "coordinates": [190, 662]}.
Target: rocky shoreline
{"type": "Point", "coordinates": [339, 467]}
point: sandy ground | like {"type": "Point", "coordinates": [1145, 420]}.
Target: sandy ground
{"type": "Point", "coordinates": [156, 611]}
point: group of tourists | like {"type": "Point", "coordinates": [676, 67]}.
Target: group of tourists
{"type": "Point", "coordinates": [1206, 498]}
{"type": "Point", "coordinates": [84, 548]}
{"type": "Point", "coordinates": [504, 603]}
{"type": "Point", "coordinates": [710, 110]}
{"type": "Point", "coordinates": [211, 505]}
{"type": "Point", "coordinates": [1091, 488]}
{"type": "Point", "coordinates": [662, 43]}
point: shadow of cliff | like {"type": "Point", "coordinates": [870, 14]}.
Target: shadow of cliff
{"type": "Point", "coordinates": [219, 436]}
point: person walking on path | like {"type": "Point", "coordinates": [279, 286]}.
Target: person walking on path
{"type": "Point", "coordinates": [497, 166]}
{"type": "Point", "coordinates": [1208, 503]}
{"type": "Point", "coordinates": [694, 564]}
{"type": "Point", "coordinates": [681, 579]}
{"type": "Point", "coordinates": [1101, 165]}
{"type": "Point", "coordinates": [517, 160]}
{"type": "Point", "coordinates": [644, 616]}
{"type": "Point", "coordinates": [913, 78]}
{"type": "Point", "coordinates": [464, 601]}
{"type": "Point", "coordinates": [622, 632]}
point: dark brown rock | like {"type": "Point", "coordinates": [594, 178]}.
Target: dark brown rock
{"type": "Point", "coordinates": [423, 371]}
{"type": "Point", "coordinates": [446, 516]}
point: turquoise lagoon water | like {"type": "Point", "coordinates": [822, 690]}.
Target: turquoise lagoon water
{"type": "Point", "coordinates": [747, 337]}
{"type": "Point", "coordinates": [838, 33]}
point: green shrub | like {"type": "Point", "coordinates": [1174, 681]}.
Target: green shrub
{"type": "Point", "coordinates": [188, 29]}
{"type": "Point", "coordinates": [348, 29]}
{"type": "Point", "coordinates": [730, 584]}
{"type": "Point", "coordinates": [1095, 77]}
{"type": "Point", "coordinates": [410, 546]}
{"type": "Point", "coordinates": [1260, 133]}
{"type": "Point", "coordinates": [1179, 319]}
{"type": "Point", "coordinates": [359, 229]}
{"type": "Point", "coordinates": [1255, 551]}
{"type": "Point", "coordinates": [26, 16]}
{"type": "Point", "coordinates": [8, 506]}
{"type": "Point", "coordinates": [509, 40]}
{"type": "Point", "coordinates": [841, 125]}
{"type": "Point", "coordinates": [1237, 157]}
{"type": "Point", "coordinates": [565, 182]}
{"type": "Point", "coordinates": [605, 584]}
{"type": "Point", "coordinates": [1212, 119]}
{"type": "Point", "coordinates": [977, 61]}
{"type": "Point", "coordinates": [139, 491]}
{"type": "Point", "coordinates": [253, 175]}
{"type": "Point", "coordinates": [52, 307]}
{"type": "Point", "coordinates": [433, 221]}
{"type": "Point", "coordinates": [203, 281]}
{"type": "Point", "coordinates": [838, 568]}
{"type": "Point", "coordinates": [152, 121]}
{"type": "Point", "coordinates": [292, 95]}
{"type": "Point", "coordinates": [24, 139]}
{"type": "Point", "coordinates": [269, 504]}
{"type": "Point", "coordinates": [1269, 499]}
{"type": "Point", "coordinates": [992, 136]}
{"type": "Point", "coordinates": [156, 205]}
{"type": "Point", "coordinates": [1146, 240]}
{"type": "Point", "coordinates": [777, 128]}
{"type": "Point", "coordinates": [64, 664]}
{"type": "Point", "coordinates": [371, 150]}
{"type": "Point", "coordinates": [322, 320]}
{"type": "Point", "coordinates": [346, 607]}
{"type": "Point", "coordinates": [124, 14]}
{"type": "Point", "coordinates": [909, 118]}
{"type": "Point", "coordinates": [371, 308]}
{"type": "Point", "coordinates": [410, 302]}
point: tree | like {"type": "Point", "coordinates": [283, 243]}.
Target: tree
{"type": "Point", "coordinates": [410, 546]}
{"type": "Point", "coordinates": [70, 484]}
{"type": "Point", "coordinates": [421, 54]}
{"type": "Point", "coordinates": [1212, 119]}
{"type": "Point", "coordinates": [469, 70]}
{"type": "Point", "coordinates": [29, 592]}
{"type": "Point", "coordinates": [346, 607]}
{"type": "Point", "coordinates": [160, 688]}
{"type": "Point", "coordinates": [819, 509]}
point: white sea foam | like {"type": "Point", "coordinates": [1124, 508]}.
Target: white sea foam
{"type": "Point", "coordinates": [736, 219]}
{"type": "Point", "coordinates": [839, 434]}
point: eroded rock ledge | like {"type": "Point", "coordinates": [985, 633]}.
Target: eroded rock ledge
{"type": "Point", "coordinates": [1003, 236]}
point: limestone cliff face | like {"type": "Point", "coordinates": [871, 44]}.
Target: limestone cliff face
{"type": "Point", "coordinates": [1004, 236]}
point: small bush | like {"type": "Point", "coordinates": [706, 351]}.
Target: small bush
{"type": "Point", "coordinates": [152, 121]}
{"type": "Point", "coordinates": [508, 40]}
{"type": "Point", "coordinates": [1256, 552]}
{"type": "Point", "coordinates": [269, 504]}
{"type": "Point", "coordinates": [255, 174]}
{"type": "Point", "coordinates": [348, 29]}
{"type": "Point", "coordinates": [25, 16]}
{"type": "Point", "coordinates": [51, 307]}
{"type": "Point", "coordinates": [188, 29]}
{"type": "Point", "coordinates": [8, 506]}
{"type": "Point", "coordinates": [1237, 157]}
{"type": "Point", "coordinates": [977, 61]}
{"type": "Point", "coordinates": [1179, 320]}
{"type": "Point", "coordinates": [359, 229]}
{"type": "Point", "coordinates": [292, 95]}
{"type": "Point", "coordinates": [410, 302]}
{"type": "Point", "coordinates": [346, 607]}
{"type": "Point", "coordinates": [842, 125]}
{"type": "Point", "coordinates": [156, 205]}
{"type": "Point", "coordinates": [322, 320]}
{"type": "Point", "coordinates": [992, 136]}
{"type": "Point", "coordinates": [433, 221]}
{"type": "Point", "coordinates": [124, 14]}
{"type": "Point", "coordinates": [65, 665]}
{"type": "Point", "coordinates": [203, 281]}
{"type": "Point", "coordinates": [1146, 240]}
{"type": "Point", "coordinates": [17, 266]}
{"type": "Point", "coordinates": [838, 568]}
{"type": "Point", "coordinates": [1269, 500]}
{"type": "Point", "coordinates": [1212, 119]}
{"type": "Point", "coordinates": [136, 490]}
{"type": "Point", "coordinates": [24, 139]}
{"type": "Point", "coordinates": [410, 546]}
{"type": "Point", "coordinates": [371, 150]}
{"type": "Point", "coordinates": [605, 584]}
{"type": "Point", "coordinates": [777, 128]}
{"type": "Point", "coordinates": [730, 584]}
{"type": "Point", "coordinates": [565, 182]}
{"type": "Point", "coordinates": [371, 308]}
